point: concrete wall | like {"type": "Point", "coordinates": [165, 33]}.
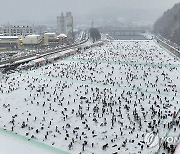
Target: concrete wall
{"type": "Point", "coordinates": [173, 50]}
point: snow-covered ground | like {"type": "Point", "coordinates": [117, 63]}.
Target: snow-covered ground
{"type": "Point", "coordinates": [177, 149]}
{"type": "Point", "coordinates": [101, 101]}
{"type": "Point", "coordinates": [11, 145]}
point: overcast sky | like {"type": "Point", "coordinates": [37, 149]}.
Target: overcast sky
{"type": "Point", "coordinates": [41, 10]}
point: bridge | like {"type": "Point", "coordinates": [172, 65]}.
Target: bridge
{"type": "Point", "coordinates": [123, 31]}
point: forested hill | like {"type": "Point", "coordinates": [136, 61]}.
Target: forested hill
{"type": "Point", "coordinates": [168, 25]}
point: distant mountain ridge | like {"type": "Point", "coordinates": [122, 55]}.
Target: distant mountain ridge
{"type": "Point", "coordinates": [168, 25]}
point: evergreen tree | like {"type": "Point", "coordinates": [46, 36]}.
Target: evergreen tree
{"type": "Point", "coordinates": [95, 34]}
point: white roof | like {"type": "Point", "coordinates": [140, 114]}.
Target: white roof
{"type": "Point", "coordinates": [62, 35]}
{"type": "Point", "coordinates": [33, 35]}
{"type": "Point", "coordinates": [49, 33]}
{"type": "Point", "coordinates": [8, 37]}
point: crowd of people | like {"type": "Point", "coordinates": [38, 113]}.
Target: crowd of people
{"type": "Point", "coordinates": [104, 100]}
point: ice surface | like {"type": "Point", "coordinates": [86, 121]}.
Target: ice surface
{"type": "Point", "coordinates": [101, 101]}
{"type": "Point", "coordinates": [11, 145]}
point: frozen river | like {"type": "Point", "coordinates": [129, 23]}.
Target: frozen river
{"type": "Point", "coordinates": [104, 100]}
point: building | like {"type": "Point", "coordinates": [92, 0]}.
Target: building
{"type": "Point", "coordinates": [31, 40]}
{"type": "Point", "coordinates": [9, 42]}
{"type": "Point", "coordinates": [69, 25]}
{"type": "Point", "coordinates": [10, 30]}
{"type": "Point", "coordinates": [65, 25]}
{"type": "Point", "coordinates": [15, 42]}
{"type": "Point", "coordinates": [1, 30]}
{"type": "Point", "coordinates": [61, 24]}
{"type": "Point", "coordinates": [62, 38]}
{"type": "Point", "coordinates": [50, 39]}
